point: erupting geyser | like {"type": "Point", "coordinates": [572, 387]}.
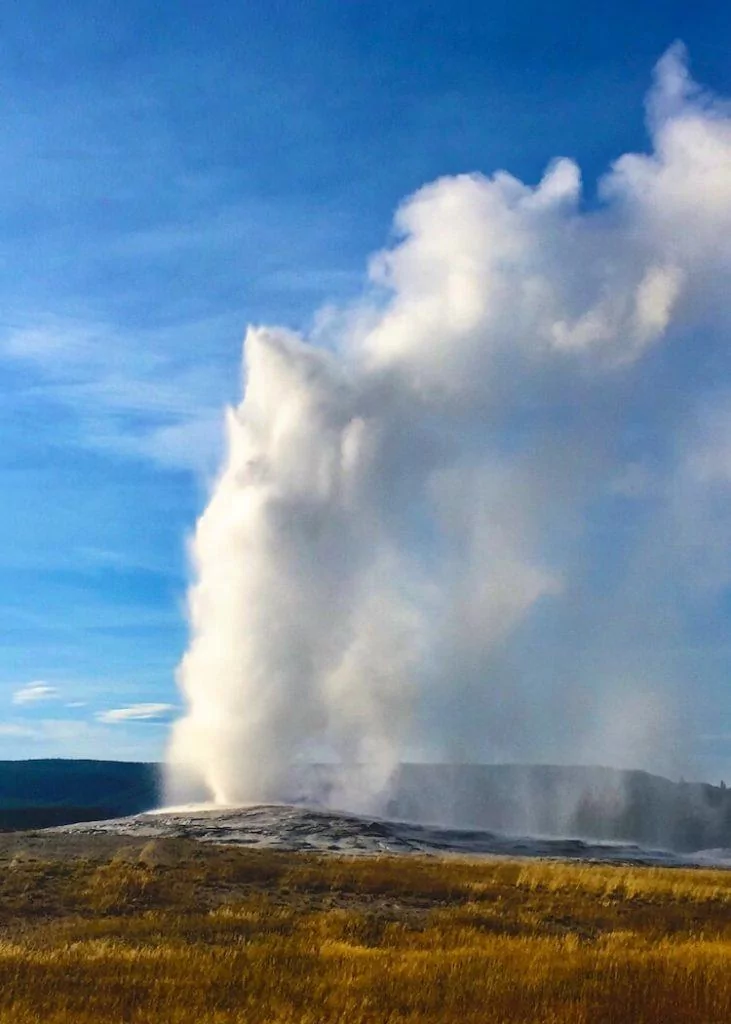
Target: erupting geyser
{"type": "Point", "coordinates": [400, 557]}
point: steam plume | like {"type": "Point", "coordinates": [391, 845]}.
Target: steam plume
{"type": "Point", "coordinates": [400, 557]}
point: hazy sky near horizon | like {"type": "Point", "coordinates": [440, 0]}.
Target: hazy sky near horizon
{"type": "Point", "coordinates": [172, 172]}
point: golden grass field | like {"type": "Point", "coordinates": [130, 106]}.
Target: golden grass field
{"type": "Point", "coordinates": [178, 933]}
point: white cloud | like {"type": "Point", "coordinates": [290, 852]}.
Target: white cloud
{"type": "Point", "coordinates": [135, 713]}
{"type": "Point", "coordinates": [35, 692]}
{"type": "Point", "coordinates": [134, 397]}
{"type": "Point", "coordinates": [74, 738]}
{"type": "Point", "coordinates": [12, 729]}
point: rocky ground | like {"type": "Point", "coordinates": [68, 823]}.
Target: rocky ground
{"type": "Point", "coordinates": [295, 829]}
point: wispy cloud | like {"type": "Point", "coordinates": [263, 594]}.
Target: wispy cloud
{"type": "Point", "coordinates": [148, 397]}
{"type": "Point", "coordinates": [63, 737]}
{"type": "Point", "coordinates": [12, 729]}
{"type": "Point", "coordinates": [136, 713]}
{"type": "Point", "coordinates": [35, 692]}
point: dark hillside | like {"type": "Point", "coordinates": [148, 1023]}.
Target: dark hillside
{"type": "Point", "coordinates": [39, 793]}
{"type": "Point", "coordinates": [557, 800]}
{"type": "Point", "coordinates": [549, 800]}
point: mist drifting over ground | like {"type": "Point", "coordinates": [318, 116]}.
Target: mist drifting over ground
{"type": "Point", "coordinates": [475, 515]}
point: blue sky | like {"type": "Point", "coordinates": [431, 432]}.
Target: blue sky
{"type": "Point", "coordinates": [172, 172]}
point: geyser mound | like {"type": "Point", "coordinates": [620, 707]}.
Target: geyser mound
{"type": "Point", "coordinates": [308, 830]}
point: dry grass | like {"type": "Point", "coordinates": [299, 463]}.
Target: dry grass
{"type": "Point", "coordinates": [219, 935]}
